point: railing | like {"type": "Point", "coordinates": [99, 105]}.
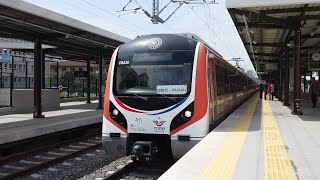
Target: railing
{"type": "Point", "coordinates": [69, 88]}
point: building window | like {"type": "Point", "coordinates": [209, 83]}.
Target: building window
{"type": "Point", "coordinates": [5, 66]}
{"type": "Point", "coordinates": [24, 67]}
{"type": "Point", "coordinates": [80, 69]}
{"type": "Point", "coordinates": [15, 80]}
{"type": "Point", "coordinates": [19, 79]}
{"type": "Point", "coordinates": [15, 67]}
{"type": "Point", "coordinates": [10, 66]}
{"type": "Point", "coordinates": [31, 68]}
{"type": "Point", "coordinates": [20, 67]}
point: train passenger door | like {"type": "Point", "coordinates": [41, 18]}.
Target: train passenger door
{"type": "Point", "coordinates": [210, 88]}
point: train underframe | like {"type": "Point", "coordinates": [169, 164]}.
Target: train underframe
{"type": "Point", "coordinates": [148, 147]}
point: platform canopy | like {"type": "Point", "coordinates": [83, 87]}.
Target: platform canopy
{"type": "Point", "coordinates": [266, 27]}
{"type": "Point", "coordinates": [71, 38]}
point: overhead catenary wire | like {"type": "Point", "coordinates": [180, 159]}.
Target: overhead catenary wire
{"type": "Point", "coordinates": [110, 13]}
{"type": "Point", "coordinates": [126, 29]}
{"type": "Point", "coordinates": [138, 4]}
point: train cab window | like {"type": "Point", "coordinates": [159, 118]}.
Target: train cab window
{"type": "Point", "coordinates": [153, 73]}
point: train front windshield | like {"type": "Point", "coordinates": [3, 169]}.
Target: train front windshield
{"type": "Point", "coordinates": [153, 73]}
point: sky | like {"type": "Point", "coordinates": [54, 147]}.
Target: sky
{"type": "Point", "coordinates": [211, 22]}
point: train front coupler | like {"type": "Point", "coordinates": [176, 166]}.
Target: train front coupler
{"type": "Point", "coordinates": [143, 151]}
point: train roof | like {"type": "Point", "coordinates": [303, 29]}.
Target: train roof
{"type": "Point", "coordinates": [186, 41]}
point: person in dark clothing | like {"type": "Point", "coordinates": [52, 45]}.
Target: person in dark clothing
{"type": "Point", "coordinates": [261, 89]}
{"type": "Point", "coordinates": [265, 88]}
{"type": "Point", "coordinates": [314, 92]}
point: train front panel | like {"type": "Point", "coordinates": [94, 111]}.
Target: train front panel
{"type": "Point", "coordinates": [150, 102]}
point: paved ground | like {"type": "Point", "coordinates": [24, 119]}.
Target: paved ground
{"type": "Point", "coordinates": [260, 140]}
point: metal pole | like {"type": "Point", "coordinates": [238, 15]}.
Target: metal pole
{"type": "Point", "coordinates": [286, 78]}
{"type": "Point", "coordinates": [82, 87]}
{"type": "Point", "coordinates": [88, 82]}
{"type": "Point", "coordinates": [97, 88]}
{"type": "Point", "coordinates": [100, 79]}
{"type": "Point", "coordinates": [68, 87]}
{"type": "Point", "coordinates": [297, 76]}
{"type": "Point", "coordinates": [11, 88]}
{"type": "Point", "coordinates": [37, 112]}
{"type": "Point", "coordinates": [281, 78]}
{"type": "Point", "coordinates": [12, 70]}
{"type": "Point", "coordinates": [0, 74]}
{"type": "Point", "coordinates": [305, 80]}
{"type": "Point", "coordinates": [43, 70]}
{"type": "Point", "coordinates": [26, 74]}
{"type": "Point", "coordinates": [57, 75]}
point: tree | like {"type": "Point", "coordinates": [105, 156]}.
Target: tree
{"type": "Point", "coordinates": [65, 76]}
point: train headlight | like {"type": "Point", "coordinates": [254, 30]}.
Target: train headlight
{"type": "Point", "coordinates": [115, 112]}
{"type": "Point", "coordinates": [187, 114]}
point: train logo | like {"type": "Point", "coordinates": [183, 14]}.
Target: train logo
{"type": "Point", "coordinates": [154, 43]}
{"type": "Point", "coordinates": [159, 123]}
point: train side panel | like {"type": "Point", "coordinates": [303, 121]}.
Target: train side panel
{"type": "Point", "coordinates": [198, 127]}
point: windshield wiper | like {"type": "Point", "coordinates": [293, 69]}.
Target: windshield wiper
{"type": "Point", "coordinates": [141, 97]}
{"type": "Point", "coordinates": [167, 97]}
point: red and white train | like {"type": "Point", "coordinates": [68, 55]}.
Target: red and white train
{"type": "Point", "coordinates": [163, 94]}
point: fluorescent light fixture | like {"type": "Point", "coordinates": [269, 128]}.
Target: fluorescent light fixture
{"type": "Point", "coordinates": [254, 42]}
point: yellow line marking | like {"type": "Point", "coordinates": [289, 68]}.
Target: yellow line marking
{"type": "Point", "coordinates": [224, 161]}
{"type": "Point", "coordinates": [277, 164]}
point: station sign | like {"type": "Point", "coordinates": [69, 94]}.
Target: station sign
{"type": "Point", "coordinates": [5, 58]}
{"type": "Point", "coordinates": [271, 66]}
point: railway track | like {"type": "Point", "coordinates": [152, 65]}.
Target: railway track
{"type": "Point", "coordinates": [22, 164]}
{"type": "Point", "coordinates": [135, 169]}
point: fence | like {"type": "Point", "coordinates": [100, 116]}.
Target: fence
{"type": "Point", "coordinates": [70, 87]}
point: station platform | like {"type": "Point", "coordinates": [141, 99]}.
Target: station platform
{"type": "Point", "coordinates": [15, 127]}
{"type": "Point", "coordinates": [259, 140]}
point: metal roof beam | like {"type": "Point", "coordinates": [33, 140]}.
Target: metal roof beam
{"type": "Point", "coordinates": [264, 44]}
{"type": "Point", "coordinates": [264, 54]}
{"type": "Point", "coordinates": [289, 10]}
{"type": "Point", "coordinates": [258, 16]}
{"type": "Point", "coordinates": [262, 25]}
{"type": "Point", "coordinates": [59, 35]}
{"type": "Point", "coordinates": [307, 36]}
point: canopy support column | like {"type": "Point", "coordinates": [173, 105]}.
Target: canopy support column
{"type": "Point", "coordinates": [88, 82]}
{"type": "Point", "coordinates": [37, 111]}
{"type": "Point", "coordinates": [100, 79]}
{"type": "Point", "coordinates": [297, 75]}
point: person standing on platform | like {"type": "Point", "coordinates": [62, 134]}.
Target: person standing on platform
{"type": "Point", "coordinates": [265, 90]}
{"type": "Point", "coordinates": [272, 90]}
{"type": "Point", "coordinates": [269, 90]}
{"type": "Point", "coordinates": [314, 92]}
{"type": "Point", "coordinates": [261, 89]}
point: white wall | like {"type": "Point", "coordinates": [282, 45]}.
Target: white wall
{"type": "Point", "coordinates": [4, 97]}
{"type": "Point", "coordinates": [22, 100]}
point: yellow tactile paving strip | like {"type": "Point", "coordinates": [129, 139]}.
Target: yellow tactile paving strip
{"type": "Point", "coordinates": [225, 160]}
{"type": "Point", "coordinates": [277, 164]}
